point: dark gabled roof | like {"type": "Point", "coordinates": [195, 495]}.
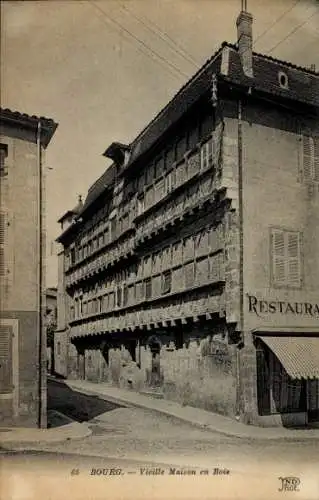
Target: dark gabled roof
{"type": "Point", "coordinates": [199, 84]}
{"type": "Point", "coordinates": [303, 83]}
{"type": "Point", "coordinates": [303, 88]}
{"type": "Point", "coordinates": [105, 181]}
{"type": "Point", "coordinates": [22, 120]}
{"type": "Point", "coordinates": [66, 215]}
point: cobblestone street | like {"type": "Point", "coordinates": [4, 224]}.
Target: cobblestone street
{"type": "Point", "coordinates": [135, 433]}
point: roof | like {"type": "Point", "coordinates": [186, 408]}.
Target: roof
{"type": "Point", "coordinates": [99, 186]}
{"type": "Point", "coordinates": [25, 121]}
{"type": "Point", "coordinates": [298, 355]}
{"type": "Point", "coordinates": [303, 88]}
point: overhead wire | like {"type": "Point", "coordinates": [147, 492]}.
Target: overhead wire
{"type": "Point", "coordinates": [151, 52]}
{"type": "Point", "coordinates": [163, 35]}
{"type": "Point", "coordinates": [292, 32]}
{"type": "Point", "coordinates": [276, 21]}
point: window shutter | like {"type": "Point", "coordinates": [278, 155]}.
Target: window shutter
{"type": "Point", "coordinates": [293, 259]}
{"type": "Point", "coordinates": [316, 158]}
{"type": "Point", "coordinates": [311, 158]}
{"type": "Point", "coordinates": [307, 157]}
{"type": "Point", "coordinates": [6, 359]}
{"type": "Point", "coordinates": [278, 257]}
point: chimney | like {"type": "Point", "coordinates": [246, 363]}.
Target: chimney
{"type": "Point", "coordinates": [245, 41]}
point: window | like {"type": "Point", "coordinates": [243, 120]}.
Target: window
{"type": "Point", "coordinates": [166, 282]}
{"type": "Point", "coordinates": [277, 392]}
{"type": "Point", "coordinates": [169, 182]}
{"type": "Point", "coordinates": [283, 80]}
{"type": "Point", "coordinates": [148, 288]}
{"type": "Point", "coordinates": [181, 147]}
{"type": "Point", "coordinates": [119, 297]}
{"type": "Point", "coordinates": [73, 256]}
{"type": "Point", "coordinates": [207, 151]}
{"type": "Point", "coordinates": [286, 258]}
{"type": "Point", "coordinates": [140, 205]}
{"type": "Point", "coordinates": [58, 348]}
{"type": "Point", "coordinates": [3, 156]}
{"type": "Point", "coordinates": [311, 158]}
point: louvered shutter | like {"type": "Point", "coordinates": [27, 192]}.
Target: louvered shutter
{"type": "Point", "coordinates": [5, 359]}
{"type": "Point", "coordinates": [278, 257]}
{"type": "Point", "coordinates": [307, 157]}
{"type": "Point", "coordinates": [2, 242]}
{"type": "Point", "coordinates": [316, 158]}
{"type": "Point", "coordinates": [293, 259]}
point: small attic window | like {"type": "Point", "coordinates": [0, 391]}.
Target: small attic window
{"type": "Point", "coordinates": [283, 80]}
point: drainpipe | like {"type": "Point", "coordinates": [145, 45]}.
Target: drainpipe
{"type": "Point", "coordinates": [241, 256]}
{"type": "Point", "coordinates": [40, 274]}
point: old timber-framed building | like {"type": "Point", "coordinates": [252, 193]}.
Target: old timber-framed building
{"type": "Point", "coordinates": [194, 262]}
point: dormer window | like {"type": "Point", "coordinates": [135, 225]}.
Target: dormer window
{"type": "Point", "coordinates": [3, 156]}
{"type": "Point", "coordinates": [283, 80]}
{"type": "Point", "coordinates": [119, 153]}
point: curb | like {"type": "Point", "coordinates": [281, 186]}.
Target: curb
{"type": "Point", "coordinates": [200, 425]}
{"type": "Point", "coordinates": [79, 431]}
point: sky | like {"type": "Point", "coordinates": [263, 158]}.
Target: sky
{"type": "Point", "coordinates": [103, 69]}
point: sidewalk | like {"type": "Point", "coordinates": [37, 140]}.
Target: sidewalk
{"type": "Point", "coordinates": [16, 436]}
{"type": "Point", "coordinates": [195, 416]}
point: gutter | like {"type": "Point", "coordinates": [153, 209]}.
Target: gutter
{"type": "Point", "coordinates": [241, 257]}
{"type": "Point", "coordinates": [40, 274]}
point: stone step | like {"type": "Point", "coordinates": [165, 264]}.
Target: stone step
{"type": "Point", "coordinates": [153, 393]}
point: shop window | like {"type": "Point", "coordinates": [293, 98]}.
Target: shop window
{"type": "Point", "coordinates": [286, 258]}
{"type": "Point", "coordinates": [276, 391]}
{"type": "Point", "coordinates": [311, 158]}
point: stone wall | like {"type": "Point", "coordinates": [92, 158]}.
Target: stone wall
{"type": "Point", "coordinates": [201, 375]}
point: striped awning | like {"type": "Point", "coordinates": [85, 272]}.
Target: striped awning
{"type": "Point", "coordinates": [298, 355]}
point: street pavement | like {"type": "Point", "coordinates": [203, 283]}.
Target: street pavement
{"type": "Point", "coordinates": [130, 439]}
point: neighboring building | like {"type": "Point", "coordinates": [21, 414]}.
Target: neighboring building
{"type": "Point", "coordinates": [61, 334]}
{"type": "Point", "coordinates": [193, 265]}
{"type": "Point", "coordinates": [50, 324]}
{"type": "Point", "coordinates": [22, 272]}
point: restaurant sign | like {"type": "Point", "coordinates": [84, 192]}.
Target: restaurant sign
{"type": "Point", "coordinates": [262, 306]}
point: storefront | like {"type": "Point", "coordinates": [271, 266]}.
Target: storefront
{"type": "Point", "coordinates": [288, 376]}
